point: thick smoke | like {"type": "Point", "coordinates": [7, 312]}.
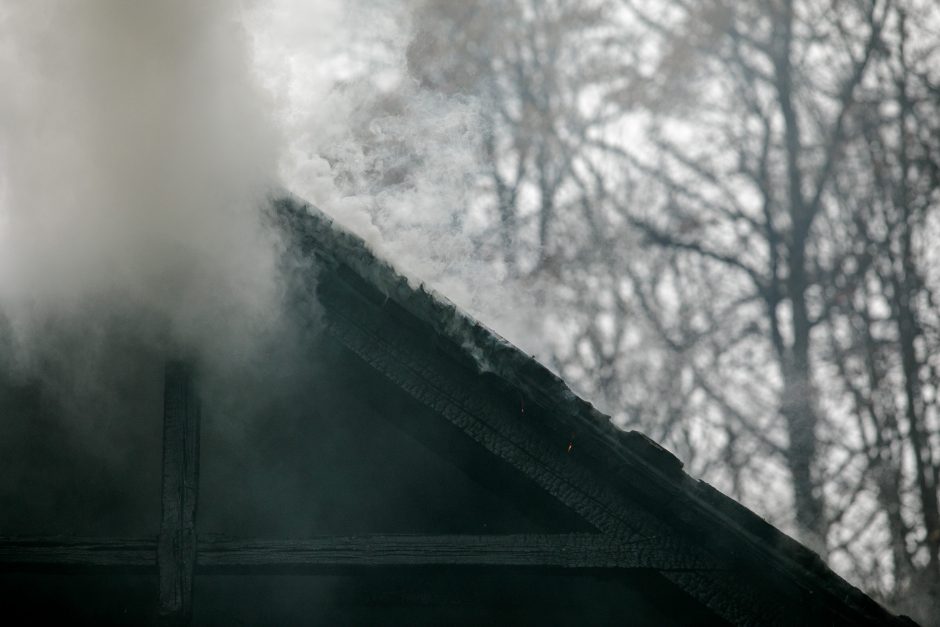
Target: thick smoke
{"type": "Point", "coordinates": [136, 150]}
{"type": "Point", "coordinates": [139, 141]}
{"type": "Point", "coordinates": [398, 164]}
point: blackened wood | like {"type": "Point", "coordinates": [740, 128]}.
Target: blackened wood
{"type": "Point", "coordinates": [78, 552]}
{"type": "Point", "coordinates": [413, 361]}
{"type": "Point", "coordinates": [524, 550]}
{"type": "Point", "coordinates": [468, 401]}
{"type": "Point", "coordinates": [578, 550]}
{"type": "Point", "coordinates": [176, 550]}
{"type": "Point", "coordinates": [780, 588]}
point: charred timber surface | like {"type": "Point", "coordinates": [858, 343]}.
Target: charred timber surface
{"type": "Point", "coordinates": [72, 552]}
{"type": "Point", "coordinates": [575, 551]}
{"type": "Point", "coordinates": [633, 487]}
{"type": "Point", "coordinates": [553, 551]}
{"type": "Point", "coordinates": [176, 547]}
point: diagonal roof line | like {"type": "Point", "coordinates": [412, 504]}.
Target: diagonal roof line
{"type": "Point", "coordinates": [693, 502]}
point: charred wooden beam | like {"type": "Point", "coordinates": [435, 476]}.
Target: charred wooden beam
{"type": "Point", "coordinates": [176, 548]}
{"type": "Point", "coordinates": [579, 550]}
{"type": "Point", "coordinates": [72, 552]}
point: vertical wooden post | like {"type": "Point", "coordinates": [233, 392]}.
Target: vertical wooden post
{"type": "Point", "coordinates": [176, 549]}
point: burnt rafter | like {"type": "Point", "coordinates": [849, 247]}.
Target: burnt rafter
{"type": "Point", "coordinates": [367, 325]}
{"type": "Point", "coordinates": [622, 484]}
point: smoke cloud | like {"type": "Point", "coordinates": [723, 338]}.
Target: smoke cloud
{"type": "Point", "coordinates": [397, 163]}
{"type": "Point", "coordinates": [138, 145]}
{"type": "Point", "coordinates": [136, 149]}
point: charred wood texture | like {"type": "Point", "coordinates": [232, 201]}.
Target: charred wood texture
{"type": "Point", "coordinates": [176, 549]}
{"type": "Point", "coordinates": [579, 550]}
{"type": "Point", "coordinates": [74, 552]}
{"type": "Point", "coordinates": [553, 551]}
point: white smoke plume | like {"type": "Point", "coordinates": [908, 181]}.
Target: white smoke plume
{"type": "Point", "coordinates": [135, 149]}
{"type": "Point", "coordinates": [139, 140]}
{"type": "Point", "coordinates": [139, 143]}
{"type": "Point", "coordinates": [397, 164]}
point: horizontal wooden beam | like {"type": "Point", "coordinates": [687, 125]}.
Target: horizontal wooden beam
{"type": "Point", "coordinates": [555, 550]}
{"type": "Point", "coordinates": [522, 550]}
{"type": "Point", "coordinates": [82, 552]}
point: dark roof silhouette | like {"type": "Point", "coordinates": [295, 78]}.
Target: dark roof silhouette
{"type": "Point", "coordinates": [621, 483]}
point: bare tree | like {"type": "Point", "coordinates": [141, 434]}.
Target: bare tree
{"type": "Point", "coordinates": [805, 165]}
{"type": "Point", "coordinates": [883, 330]}
{"type": "Point", "coordinates": [751, 201]}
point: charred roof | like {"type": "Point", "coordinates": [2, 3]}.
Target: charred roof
{"type": "Point", "coordinates": [732, 548]}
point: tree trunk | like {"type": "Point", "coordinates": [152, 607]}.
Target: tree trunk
{"type": "Point", "coordinates": [798, 405]}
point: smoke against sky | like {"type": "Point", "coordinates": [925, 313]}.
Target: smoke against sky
{"type": "Point", "coordinates": [396, 163]}
{"type": "Point", "coordinates": [139, 142]}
